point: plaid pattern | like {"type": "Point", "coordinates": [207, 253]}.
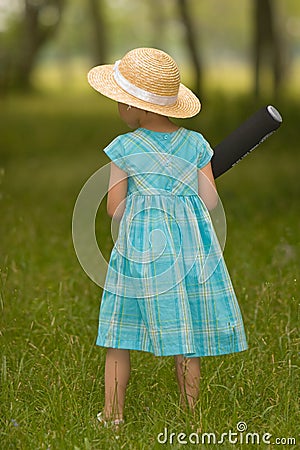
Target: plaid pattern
{"type": "Point", "coordinates": [167, 288]}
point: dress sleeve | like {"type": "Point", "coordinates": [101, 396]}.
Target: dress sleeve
{"type": "Point", "coordinates": [205, 153]}
{"type": "Point", "coordinates": [115, 152]}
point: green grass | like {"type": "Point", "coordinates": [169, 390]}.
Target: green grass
{"type": "Point", "coordinates": [51, 370]}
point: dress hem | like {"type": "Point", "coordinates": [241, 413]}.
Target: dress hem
{"type": "Point", "coordinates": [196, 354]}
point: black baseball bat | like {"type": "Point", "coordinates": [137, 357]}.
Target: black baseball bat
{"type": "Point", "coordinates": [245, 138]}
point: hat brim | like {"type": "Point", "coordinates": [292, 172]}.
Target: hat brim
{"type": "Point", "coordinates": [102, 80]}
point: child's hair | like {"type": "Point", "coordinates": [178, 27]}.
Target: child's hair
{"type": "Point", "coordinates": [146, 78]}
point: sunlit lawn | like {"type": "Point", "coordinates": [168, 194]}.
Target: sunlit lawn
{"type": "Point", "coordinates": [51, 371]}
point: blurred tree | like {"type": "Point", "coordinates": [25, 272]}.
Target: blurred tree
{"type": "Point", "coordinates": [186, 17]}
{"type": "Point", "coordinates": [37, 23]}
{"type": "Point", "coordinates": [268, 46]}
{"type": "Point", "coordinates": [99, 31]}
{"type": "Point", "coordinates": [157, 16]}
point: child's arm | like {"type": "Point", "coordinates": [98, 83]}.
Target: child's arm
{"type": "Point", "coordinates": [206, 187]}
{"type": "Point", "coordinates": [117, 191]}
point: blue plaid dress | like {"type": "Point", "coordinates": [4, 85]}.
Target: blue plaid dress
{"type": "Point", "coordinates": [167, 288]}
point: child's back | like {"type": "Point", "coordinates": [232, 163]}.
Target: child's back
{"type": "Point", "coordinates": [167, 289]}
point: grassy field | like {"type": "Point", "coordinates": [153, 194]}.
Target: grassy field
{"type": "Point", "coordinates": [52, 372]}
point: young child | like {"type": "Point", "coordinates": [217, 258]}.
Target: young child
{"type": "Point", "coordinates": [167, 289]}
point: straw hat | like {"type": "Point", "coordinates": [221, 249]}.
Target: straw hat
{"type": "Point", "coordinates": [148, 79]}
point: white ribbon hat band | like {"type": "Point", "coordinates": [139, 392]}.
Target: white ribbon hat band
{"type": "Point", "coordinates": [139, 93]}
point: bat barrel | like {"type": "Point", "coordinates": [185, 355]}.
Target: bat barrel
{"type": "Point", "coordinates": [245, 138]}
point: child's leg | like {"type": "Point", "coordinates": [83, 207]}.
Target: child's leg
{"type": "Point", "coordinates": [117, 372]}
{"type": "Point", "coordinates": [188, 377]}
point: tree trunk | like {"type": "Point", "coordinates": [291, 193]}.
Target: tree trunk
{"type": "Point", "coordinates": [29, 46]}
{"type": "Point", "coordinates": [32, 37]}
{"type": "Point", "coordinates": [157, 15]}
{"type": "Point", "coordinates": [186, 17]}
{"type": "Point", "coordinates": [99, 31]}
{"type": "Point", "coordinates": [267, 44]}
